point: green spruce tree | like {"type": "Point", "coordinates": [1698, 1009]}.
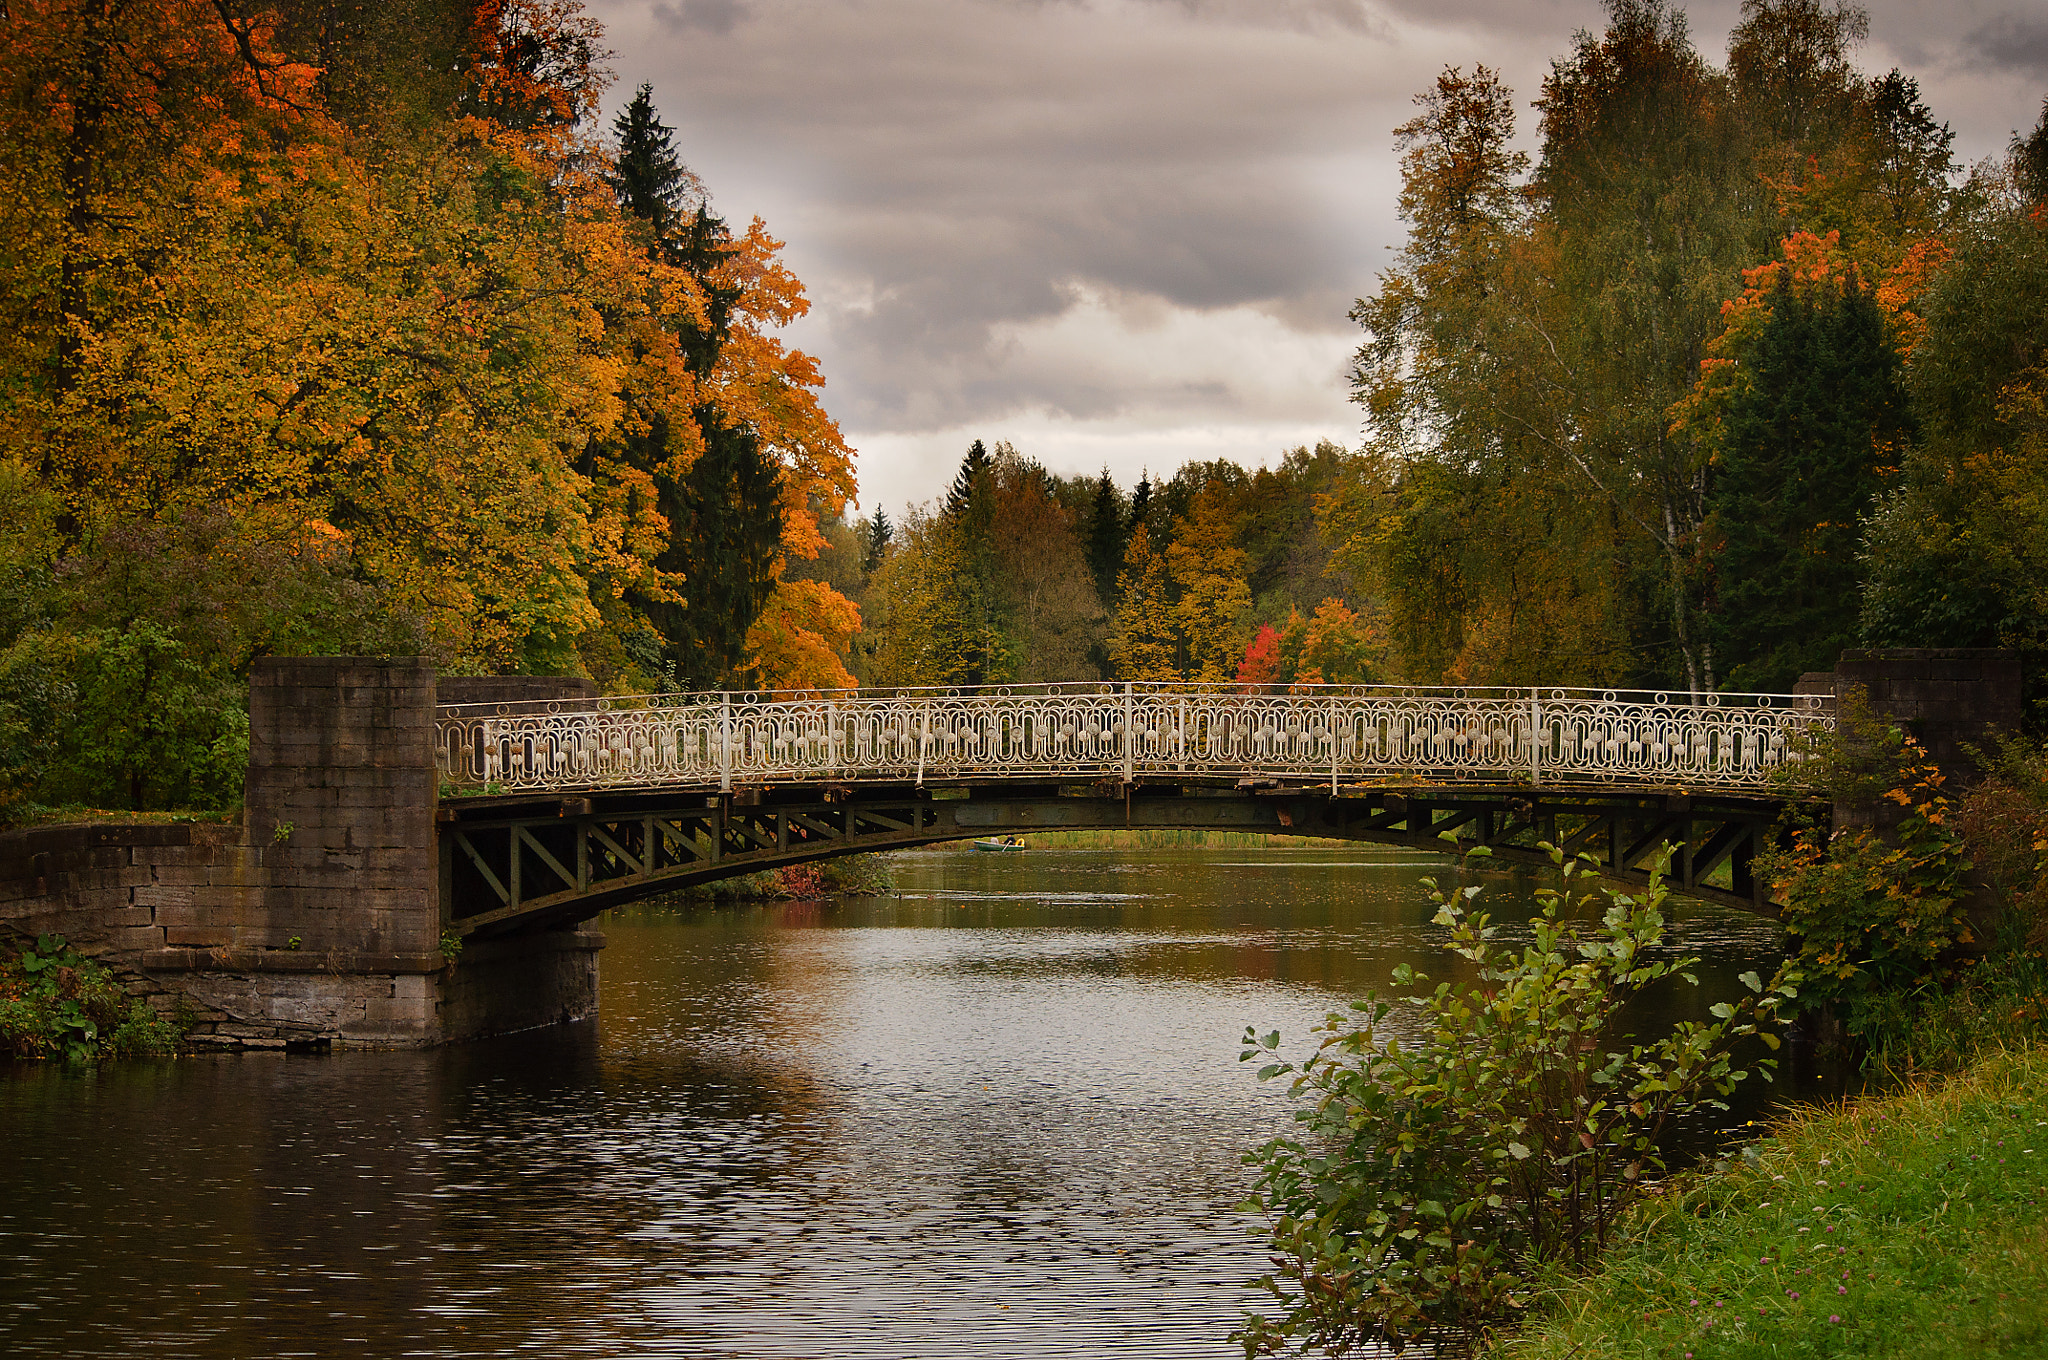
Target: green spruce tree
{"type": "Point", "coordinates": [1797, 474]}
{"type": "Point", "coordinates": [1106, 539]}
{"type": "Point", "coordinates": [970, 519]}
{"type": "Point", "coordinates": [875, 536]}
{"type": "Point", "coordinates": [647, 177]}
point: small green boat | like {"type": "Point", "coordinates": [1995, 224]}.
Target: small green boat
{"type": "Point", "coordinates": [1000, 843]}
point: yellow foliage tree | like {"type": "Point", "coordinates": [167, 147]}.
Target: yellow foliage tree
{"type": "Point", "coordinates": [1144, 642]}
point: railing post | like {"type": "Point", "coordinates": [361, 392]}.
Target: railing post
{"type": "Point", "coordinates": [1130, 738]}
{"type": "Point", "coordinates": [725, 743]}
{"type": "Point", "coordinates": [832, 736]}
{"type": "Point", "coordinates": [1535, 745]}
{"type": "Point", "coordinates": [924, 736]}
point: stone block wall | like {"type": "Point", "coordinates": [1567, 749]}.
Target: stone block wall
{"type": "Point", "coordinates": [1948, 697]}
{"type": "Point", "coordinates": [514, 689]}
{"type": "Point", "coordinates": [317, 921]}
{"type": "Point", "coordinates": [340, 797]}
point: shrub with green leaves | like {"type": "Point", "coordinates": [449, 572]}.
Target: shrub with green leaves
{"type": "Point", "coordinates": [1457, 1139]}
{"type": "Point", "coordinates": [56, 1003]}
{"type": "Point", "coordinates": [1875, 912]}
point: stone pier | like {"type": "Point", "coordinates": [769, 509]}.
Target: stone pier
{"type": "Point", "coordinates": [316, 922]}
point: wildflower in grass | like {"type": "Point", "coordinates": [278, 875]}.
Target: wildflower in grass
{"type": "Point", "coordinates": [1834, 1317]}
{"type": "Point", "coordinates": [1841, 1289]}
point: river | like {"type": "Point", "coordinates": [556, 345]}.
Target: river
{"type": "Point", "coordinates": [999, 1113]}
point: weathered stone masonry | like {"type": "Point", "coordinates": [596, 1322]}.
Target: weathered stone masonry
{"type": "Point", "coordinates": [317, 921]}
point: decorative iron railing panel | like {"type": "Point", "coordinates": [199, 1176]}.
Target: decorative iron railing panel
{"type": "Point", "coordinates": [1617, 738]}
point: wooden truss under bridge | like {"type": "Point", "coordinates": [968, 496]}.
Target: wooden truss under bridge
{"type": "Point", "coordinates": [512, 864]}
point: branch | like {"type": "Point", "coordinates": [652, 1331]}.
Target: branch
{"type": "Point", "coordinates": [245, 44]}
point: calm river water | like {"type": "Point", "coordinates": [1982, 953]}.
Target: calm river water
{"type": "Point", "coordinates": [998, 1114]}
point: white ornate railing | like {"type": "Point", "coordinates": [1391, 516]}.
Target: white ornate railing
{"type": "Point", "coordinates": [1726, 742]}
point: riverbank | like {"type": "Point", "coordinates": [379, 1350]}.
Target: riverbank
{"type": "Point", "coordinates": [848, 876]}
{"type": "Point", "coordinates": [1903, 1226]}
{"type": "Point", "coordinates": [1158, 838]}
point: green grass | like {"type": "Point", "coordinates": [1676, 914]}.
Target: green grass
{"type": "Point", "coordinates": [1904, 1226]}
{"type": "Point", "coordinates": [18, 816]}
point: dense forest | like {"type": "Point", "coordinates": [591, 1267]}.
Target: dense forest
{"type": "Point", "coordinates": [349, 326]}
{"type": "Point", "coordinates": [353, 326]}
{"type": "Point", "coordinates": [1739, 370]}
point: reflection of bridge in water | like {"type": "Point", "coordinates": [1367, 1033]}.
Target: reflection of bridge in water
{"type": "Point", "coordinates": [559, 809]}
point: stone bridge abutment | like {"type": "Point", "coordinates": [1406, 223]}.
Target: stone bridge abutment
{"type": "Point", "coordinates": [317, 920]}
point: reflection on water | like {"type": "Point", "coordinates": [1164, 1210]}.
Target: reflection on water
{"type": "Point", "coordinates": [998, 1114]}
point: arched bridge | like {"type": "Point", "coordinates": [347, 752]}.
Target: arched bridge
{"type": "Point", "coordinates": [553, 811]}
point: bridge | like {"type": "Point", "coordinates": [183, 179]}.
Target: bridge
{"type": "Point", "coordinates": [554, 810]}
{"type": "Point", "coordinates": [416, 853]}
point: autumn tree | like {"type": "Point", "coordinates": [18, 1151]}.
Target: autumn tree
{"type": "Point", "coordinates": [928, 630]}
{"type": "Point", "coordinates": [349, 279]}
{"type": "Point", "coordinates": [1144, 640]}
{"type": "Point", "coordinates": [1052, 618]}
{"type": "Point", "coordinates": [1212, 605]}
{"type": "Point", "coordinates": [1957, 552]}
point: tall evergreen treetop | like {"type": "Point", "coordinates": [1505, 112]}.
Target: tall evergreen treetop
{"type": "Point", "coordinates": [1106, 539]}
{"type": "Point", "coordinates": [876, 536]}
{"type": "Point", "coordinates": [649, 179]}
{"type": "Point", "coordinates": [971, 481]}
{"type": "Point", "coordinates": [725, 513]}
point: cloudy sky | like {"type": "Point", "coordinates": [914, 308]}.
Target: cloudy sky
{"type": "Point", "coordinates": [1127, 232]}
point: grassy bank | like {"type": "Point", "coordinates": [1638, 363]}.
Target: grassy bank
{"type": "Point", "coordinates": [1903, 1226]}
{"type": "Point", "coordinates": [19, 816]}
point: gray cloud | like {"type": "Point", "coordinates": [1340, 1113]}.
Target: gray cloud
{"type": "Point", "coordinates": [1009, 207]}
{"type": "Point", "coordinates": [710, 16]}
{"type": "Point", "coordinates": [2012, 42]}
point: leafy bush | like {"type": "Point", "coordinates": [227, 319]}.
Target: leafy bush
{"type": "Point", "coordinates": [1440, 1163]}
{"type": "Point", "coordinates": [1876, 911]}
{"type": "Point", "coordinates": [125, 651]}
{"type": "Point", "coordinates": [2004, 822]}
{"type": "Point", "coordinates": [55, 1003]}
{"type": "Point", "coordinates": [1967, 1005]}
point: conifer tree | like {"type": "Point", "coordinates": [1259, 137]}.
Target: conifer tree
{"type": "Point", "coordinates": [970, 482]}
{"type": "Point", "coordinates": [2030, 159]}
{"type": "Point", "coordinates": [648, 178]}
{"type": "Point", "coordinates": [1797, 473]}
{"type": "Point", "coordinates": [1106, 536]}
{"type": "Point", "coordinates": [970, 519]}
{"type": "Point", "coordinates": [1141, 503]}
{"type": "Point", "coordinates": [876, 536]}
